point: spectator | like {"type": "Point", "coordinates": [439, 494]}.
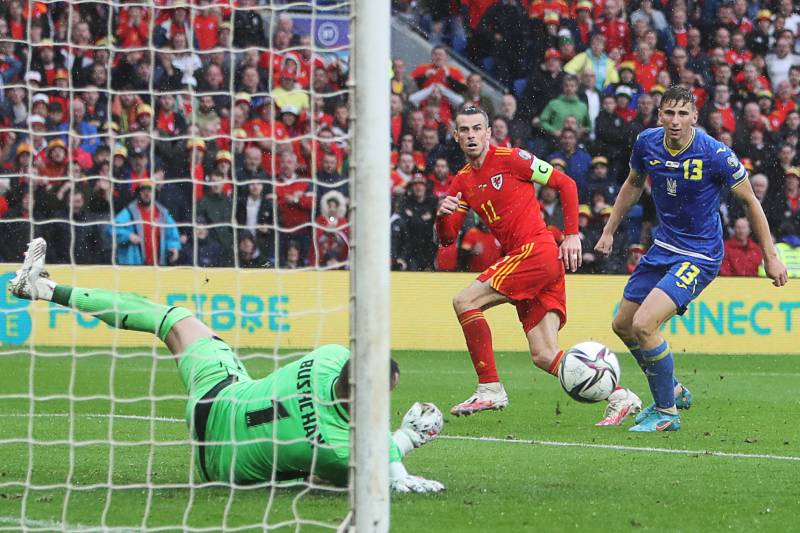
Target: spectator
{"type": "Point", "coordinates": [294, 257]}
{"type": "Point", "coordinates": [551, 207]}
{"type": "Point", "coordinates": [216, 207]}
{"type": "Point", "coordinates": [249, 253]}
{"type": "Point", "coordinates": [742, 254]}
{"type": "Point", "coordinates": [17, 227]}
{"type": "Point", "coordinates": [402, 174]}
{"type": "Point", "coordinates": [145, 232]}
{"type": "Point", "coordinates": [205, 252]}
{"type": "Point", "coordinates": [479, 248]}
{"type": "Point", "coordinates": [331, 232]}
{"type": "Point", "coordinates": [287, 94]}
{"type": "Point", "coordinates": [601, 181]}
{"type": "Point", "coordinates": [597, 61]}
{"type": "Point", "coordinates": [438, 72]}
{"type": "Point", "coordinates": [780, 61]}
{"type": "Point", "coordinates": [614, 27]}
{"type": "Point", "coordinates": [418, 211]}
{"type": "Point", "coordinates": [567, 104]}
{"type": "Point", "coordinates": [646, 117]}
{"type": "Point", "coordinates": [543, 85]}
{"type": "Point", "coordinates": [295, 204]}
{"type": "Point", "coordinates": [440, 178]}
{"type": "Point", "coordinates": [401, 82]}
{"type": "Point", "coordinates": [474, 94]}
{"type": "Point", "coordinates": [635, 254]}
{"type": "Point", "coordinates": [500, 133]}
{"type": "Point", "coordinates": [254, 215]}
{"type": "Point", "coordinates": [578, 160]}
{"type": "Point", "coordinates": [328, 176]}
{"type": "Point", "coordinates": [518, 129]}
{"type": "Point", "coordinates": [787, 213]}
{"type": "Point", "coordinates": [248, 26]}
{"type": "Point", "coordinates": [84, 238]}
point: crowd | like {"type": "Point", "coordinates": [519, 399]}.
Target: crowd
{"type": "Point", "coordinates": [218, 135]}
{"type": "Point", "coordinates": [583, 78]}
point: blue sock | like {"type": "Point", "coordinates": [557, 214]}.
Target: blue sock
{"type": "Point", "coordinates": [636, 352]}
{"type": "Point", "coordinates": [659, 371]}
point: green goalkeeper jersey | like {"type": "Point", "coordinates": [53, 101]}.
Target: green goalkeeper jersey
{"type": "Point", "coordinates": [284, 426]}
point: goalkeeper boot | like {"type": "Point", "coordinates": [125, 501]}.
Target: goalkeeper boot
{"type": "Point", "coordinates": [621, 404]}
{"type": "Point", "coordinates": [683, 400]}
{"type": "Point", "coordinates": [30, 282]}
{"type": "Point", "coordinates": [658, 421]}
{"type": "Point", "coordinates": [487, 397]}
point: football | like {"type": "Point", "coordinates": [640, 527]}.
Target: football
{"type": "Point", "coordinates": [589, 372]}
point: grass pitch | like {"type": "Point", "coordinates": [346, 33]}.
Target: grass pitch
{"type": "Point", "coordinates": [541, 465]}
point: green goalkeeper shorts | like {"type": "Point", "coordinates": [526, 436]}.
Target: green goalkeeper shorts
{"type": "Point", "coordinates": [205, 363]}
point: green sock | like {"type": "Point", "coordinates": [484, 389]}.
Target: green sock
{"type": "Point", "coordinates": [123, 310]}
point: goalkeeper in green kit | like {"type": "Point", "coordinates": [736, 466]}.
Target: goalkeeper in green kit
{"type": "Point", "coordinates": [291, 424]}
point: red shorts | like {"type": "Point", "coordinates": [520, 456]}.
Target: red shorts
{"type": "Point", "coordinates": [533, 278]}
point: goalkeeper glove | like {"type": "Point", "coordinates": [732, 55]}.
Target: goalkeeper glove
{"type": "Point", "coordinates": [401, 481]}
{"type": "Point", "coordinates": [421, 424]}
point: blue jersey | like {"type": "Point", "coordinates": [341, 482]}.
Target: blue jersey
{"type": "Point", "coordinates": [686, 187]}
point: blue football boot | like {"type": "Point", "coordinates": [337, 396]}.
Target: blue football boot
{"type": "Point", "coordinates": [658, 421]}
{"type": "Point", "coordinates": [682, 401]}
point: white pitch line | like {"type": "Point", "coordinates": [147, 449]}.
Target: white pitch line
{"type": "Point", "coordinates": [535, 442]}
{"type": "Point", "coordinates": [619, 447]}
{"type": "Point", "coordinates": [54, 525]}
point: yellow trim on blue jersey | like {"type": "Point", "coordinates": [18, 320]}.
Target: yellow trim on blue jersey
{"type": "Point", "coordinates": [674, 153]}
{"type": "Point", "coordinates": [658, 357]}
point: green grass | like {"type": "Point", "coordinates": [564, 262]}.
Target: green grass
{"type": "Point", "coordinates": [743, 405]}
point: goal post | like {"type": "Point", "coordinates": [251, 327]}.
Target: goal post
{"type": "Point", "coordinates": [95, 421]}
{"type": "Point", "coordinates": [370, 267]}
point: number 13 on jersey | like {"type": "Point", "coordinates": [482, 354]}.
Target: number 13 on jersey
{"type": "Point", "coordinates": [693, 169]}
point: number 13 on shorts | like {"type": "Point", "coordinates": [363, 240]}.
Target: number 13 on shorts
{"type": "Point", "coordinates": [687, 274]}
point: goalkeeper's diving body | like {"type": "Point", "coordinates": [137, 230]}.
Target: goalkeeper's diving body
{"type": "Point", "coordinates": [293, 423]}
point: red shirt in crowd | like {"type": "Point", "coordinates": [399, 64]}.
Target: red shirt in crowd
{"type": "Point", "coordinates": [617, 32]}
{"type": "Point", "coordinates": [540, 7]}
{"type": "Point", "coordinates": [152, 233]}
{"type": "Point", "coordinates": [740, 260]}
{"type": "Point", "coordinates": [293, 214]}
{"type": "Point", "coordinates": [484, 249]}
{"type": "Point", "coordinates": [427, 74]}
{"type": "Point", "coordinates": [206, 30]}
{"type": "Point", "coordinates": [447, 258]}
{"type": "Point", "coordinates": [440, 188]}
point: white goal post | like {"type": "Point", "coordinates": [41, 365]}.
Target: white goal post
{"type": "Point", "coordinates": [370, 267]}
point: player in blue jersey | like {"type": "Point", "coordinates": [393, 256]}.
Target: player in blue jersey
{"type": "Point", "coordinates": [688, 170]}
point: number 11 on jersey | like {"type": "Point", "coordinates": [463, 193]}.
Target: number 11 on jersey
{"type": "Point", "coordinates": [491, 214]}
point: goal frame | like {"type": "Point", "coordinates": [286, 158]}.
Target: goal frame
{"type": "Point", "coordinates": [369, 281]}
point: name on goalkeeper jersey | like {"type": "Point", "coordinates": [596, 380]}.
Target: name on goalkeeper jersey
{"type": "Point", "coordinates": [305, 402]}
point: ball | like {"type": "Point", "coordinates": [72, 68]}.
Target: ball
{"type": "Point", "coordinates": [589, 372]}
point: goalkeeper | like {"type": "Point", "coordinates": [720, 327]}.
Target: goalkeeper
{"type": "Point", "coordinates": [291, 424]}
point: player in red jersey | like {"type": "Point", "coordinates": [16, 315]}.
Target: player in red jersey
{"type": "Point", "coordinates": [498, 184]}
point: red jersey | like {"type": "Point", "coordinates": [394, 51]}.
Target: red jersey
{"type": "Point", "coordinates": [502, 193]}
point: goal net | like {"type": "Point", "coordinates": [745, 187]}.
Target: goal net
{"type": "Point", "coordinates": [198, 153]}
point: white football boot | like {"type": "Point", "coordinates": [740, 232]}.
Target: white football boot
{"type": "Point", "coordinates": [621, 404]}
{"type": "Point", "coordinates": [31, 281]}
{"type": "Point", "coordinates": [487, 397]}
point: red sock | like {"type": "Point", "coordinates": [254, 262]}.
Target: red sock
{"type": "Point", "coordinates": [479, 343]}
{"type": "Point", "coordinates": [556, 361]}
